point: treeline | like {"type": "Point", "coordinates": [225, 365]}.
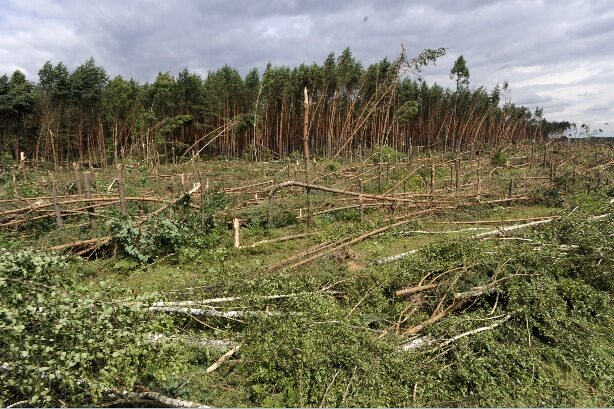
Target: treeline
{"type": "Point", "coordinates": [85, 116]}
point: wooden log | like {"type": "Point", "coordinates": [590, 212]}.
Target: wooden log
{"type": "Point", "coordinates": [120, 188]}
{"type": "Point", "coordinates": [143, 397]}
{"type": "Point", "coordinates": [236, 226]}
{"type": "Point", "coordinates": [16, 187]}
{"type": "Point", "coordinates": [414, 290]}
{"type": "Point", "coordinates": [56, 207]}
{"type": "Point", "coordinates": [361, 200]}
{"type": "Point", "coordinates": [532, 155]}
{"type": "Point", "coordinates": [479, 182]}
{"type": "Point", "coordinates": [351, 241]}
{"type": "Point", "coordinates": [432, 184]}
{"type": "Point", "coordinates": [75, 168]}
{"type": "Point", "coordinates": [280, 239]}
{"type": "Point", "coordinates": [457, 169]}
{"type": "Point", "coordinates": [290, 183]}
{"type": "Point", "coordinates": [489, 233]}
{"type": "Point", "coordinates": [223, 359]}
{"type": "Point", "coordinates": [79, 243]}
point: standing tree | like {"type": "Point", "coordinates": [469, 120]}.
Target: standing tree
{"type": "Point", "coordinates": [461, 72]}
{"type": "Point", "coordinates": [16, 103]}
{"type": "Point", "coordinates": [87, 83]}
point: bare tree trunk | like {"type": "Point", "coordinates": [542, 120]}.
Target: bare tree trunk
{"type": "Point", "coordinates": [56, 207]}
{"type": "Point", "coordinates": [120, 187]}
{"type": "Point", "coordinates": [306, 151]}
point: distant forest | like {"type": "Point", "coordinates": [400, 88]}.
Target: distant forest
{"type": "Point", "coordinates": [85, 116]}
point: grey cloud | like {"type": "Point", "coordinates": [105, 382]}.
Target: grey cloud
{"type": "Point", "coordinates": [533, 99]}
{"type": "Point", "coordinates": [599, 108]}
{"type": "Point", "coordinates": [540, 42]}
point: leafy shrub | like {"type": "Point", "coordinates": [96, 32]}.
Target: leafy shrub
{"type": "Point", "coordinates": [256, 217]}
{"type": "Point", "coordinates": [65, 343]}
{"type": "Point", "coordinates": [162, 236]}
{"type": "Point", "coordinates": [333, 166]}
{"type": "Point", "coordinates": [499, 158]}
{"type": "Point", "coordinates": [386, 153]}
{"type": "Point", "coordinates": [144, 243]}
{"type": "Point", "coordinates": [551, 197]}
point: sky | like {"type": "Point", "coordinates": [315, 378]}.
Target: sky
{"type": "Point", "coordinates": [558, 55]}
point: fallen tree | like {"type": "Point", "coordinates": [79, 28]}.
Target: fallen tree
{"type": "Point", "coordinates": [489, 233]}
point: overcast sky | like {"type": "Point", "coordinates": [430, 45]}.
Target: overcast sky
{"type": "Point", "coordinates": [555, 54]}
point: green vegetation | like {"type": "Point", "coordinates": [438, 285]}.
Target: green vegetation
{"type": "Point", "coordinates": [84, 116]}
{"type": "Point", "coordinates": [69, 342]}
{"type": "Point", "coordinates": [518, 317]}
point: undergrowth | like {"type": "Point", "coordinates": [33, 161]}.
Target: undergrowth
{"type": "Point", "coordinates": [337, 342]}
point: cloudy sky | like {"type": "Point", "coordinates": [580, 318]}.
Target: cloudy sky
{"type": "Point", "coordinates": [555, 54]}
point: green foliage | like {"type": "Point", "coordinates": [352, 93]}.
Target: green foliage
{"type": "Point", "coordinates": [156, 237]}
{"type": "Point", "coordinates": [460, 72]}
{"type": "Point", "coordinates": [499, 158]}
{"type": "Point", "coordinates": [314, 361]}
{"type": "Point", "coordinates": [333, 166]}
{"type": "Point", "coordinates": [87, 82]}
{"type": "Point", "coordinates": [408, 111]}
{"type": "Point", "coordinates": [160, 236]}
{"type": "Point", "coordinates": [245, 123]}
{"type": "Point", "coordinates": [174, 123]}
{"type": "Point", "coordinates": [551, 197]}
{"type": "Point", "coordinates": [203, 229]}
{"type": "Point", "coordinates": [426, 57]}
{"type": "Point", "coordinates": [555, 350]}
{"type": "Point", "coordinates": [257, 217]}
{"type": "Point", "coordinates": [66, 343]}
{"type": "Point", "coordinates": [385, 153]}
{"type": "Point", "coordinates": [6, 160]}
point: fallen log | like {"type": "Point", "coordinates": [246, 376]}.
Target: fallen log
{"type": "Point", "coordinates": [234, 189]}
{"type": "Point", "coordinates": [232, 299]}
{"type": "Point", "coordinates": [278, 240]}
{"type": "Point", "coordinates": [223, 359]}
{"type": "Point", "coordinates": [512, 228]}
{"type": "Point", "coordinates": [474, 331]}
{"type": "Point", "coordinates": [417, 342]}
{"type": "Point", "coordinates": [348, 242]}
{"type": "Point", "coordinates": [18, 404]}
{"type": "Point", "coordinates": [495, 232]}
{"type": "Point", "coordinates": [313, 249]}
{"type": "Point", "coordinates": [414, 290]}
{"type": "Point", "coordinates": [93, 199]}
{"type": "Point", "coordinates": [336, 209]}
{"type": "Point", "coordinates": [163, 399]}
{"type": "Point", "coordinates": [233, 314]}
{"type": "Point", "coordinates": [490, 221]}
{"type": "Point", "coordinates": [440, 231]}
{"type": "Point", "coordinates": [309, 186]}
{"type": "Point", "coordinates": [80, 243]}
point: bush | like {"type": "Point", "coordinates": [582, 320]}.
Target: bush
{"type": "Point", "coordinates": [155, 238]}
{"type": "Point", "coordinates": [386, 153]}
{"type": "Point", "coordinates": [499, 158]}
{"type": "Point", "coordinates": [162, 236]}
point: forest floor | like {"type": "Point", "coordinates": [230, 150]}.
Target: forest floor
{"type": "Point", "coordinates": [470, 279]}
